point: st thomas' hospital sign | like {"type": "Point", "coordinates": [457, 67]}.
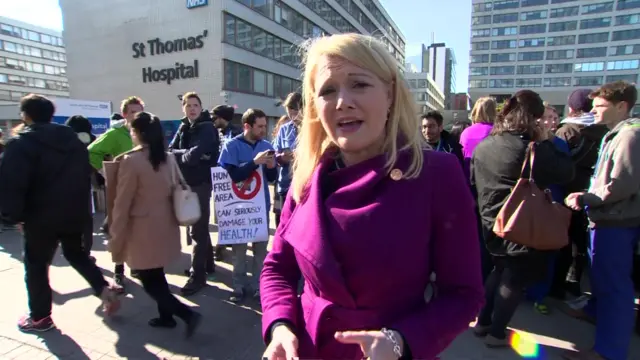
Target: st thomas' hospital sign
{"type": "Point", "coordinates": [158, 46]}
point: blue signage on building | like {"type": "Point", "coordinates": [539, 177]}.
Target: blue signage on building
{"type": "Point", "coordinates": [196, 3]}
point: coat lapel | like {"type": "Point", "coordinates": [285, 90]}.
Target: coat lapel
{"type": "Point", "coordinates": [307, 233]}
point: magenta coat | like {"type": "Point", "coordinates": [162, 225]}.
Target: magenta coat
{"type": "Point", "coordinates": [365, 245]}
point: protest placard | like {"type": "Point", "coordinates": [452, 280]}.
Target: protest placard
{"type": "Point", "coordinates": [240, 208]}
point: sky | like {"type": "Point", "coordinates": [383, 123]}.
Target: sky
{"type": "Point", "coordinates": [448, 20]}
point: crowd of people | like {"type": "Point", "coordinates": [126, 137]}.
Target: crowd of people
{"type": "Point", "coordinates": [346, 160]}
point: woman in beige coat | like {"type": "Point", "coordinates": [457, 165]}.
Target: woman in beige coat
{"type": "Point", "coordinates": [144, 231]}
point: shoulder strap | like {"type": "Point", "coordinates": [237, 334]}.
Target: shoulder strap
{"type": "Point", "coordinates": [528, 159]}
{"type": "Point", "coordinates": [176, 175]}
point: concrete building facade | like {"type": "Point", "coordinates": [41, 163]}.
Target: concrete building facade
{"type": "Point", "coordinates": [425, 91]}
{"type": "Point", "coordinates": [32, 60]}
{"type": "Point", "coordinates": [439, 62]}
{"type": "Point", "coordinates": [242, 53]}
{"type": "Point", "coordinates": [552, 46]}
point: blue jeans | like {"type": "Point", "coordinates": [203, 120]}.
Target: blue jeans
{"type": "Point", "coordinates": [612, 251]}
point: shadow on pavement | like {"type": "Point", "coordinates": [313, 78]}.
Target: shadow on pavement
{"type": "Point", "coordinates": [62, 346]}
{"type": "Point", "coordinates": [223, 325]}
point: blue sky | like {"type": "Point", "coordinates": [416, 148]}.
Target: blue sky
{"type": "Point", "coordinates": [448, 20]}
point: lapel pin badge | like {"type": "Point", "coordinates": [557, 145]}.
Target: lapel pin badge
{"type": "Point", "coordinates": [396, 174]}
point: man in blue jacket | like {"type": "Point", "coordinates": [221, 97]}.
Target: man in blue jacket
{"type": "Point", "coordinates": [196, 147]}
{"type": "Point", "coordinates": [241, 156]}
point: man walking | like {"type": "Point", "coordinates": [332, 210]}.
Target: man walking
{"type": "Point", "coordinates": [45, 185]}
{"type": "Point", "coordinates": [112, 143]}
{"type": "Point", "coordinates": [613, 207]}
{"type": "Point", "coordinates": [241, 156]}
{"type": "Point", "coordinates": [196, 148]}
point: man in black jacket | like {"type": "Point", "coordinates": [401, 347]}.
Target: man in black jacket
{"type": "Point", "coordinates": [196, 147]}
{"type": "Point", "coordinates": [45, 185]}
{"type": "Point", "coordinates": [438, 138]}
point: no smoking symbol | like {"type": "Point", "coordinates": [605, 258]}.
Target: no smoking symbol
{"type": "Point", "coordinates": [243, 189]}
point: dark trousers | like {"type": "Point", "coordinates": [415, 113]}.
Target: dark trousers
{"type": "Point", "coordinates": [155, 285]}
{"type": "Point", "coordinates": [202, 250]}
{"type": "Point", "coordinates": [486, 260]}
{"type": "Point", "coordinates": [505, 286]}
{"type": "Point", "coordinates": [87, 236]}
{"type": "Point", "coordinates": [578, 236]}
{"type": "Point", "coordinates": [40, 246]}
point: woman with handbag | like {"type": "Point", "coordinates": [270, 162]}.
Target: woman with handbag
{"type": "Point", "coordinates": [500, 165]}
{"type": "Point", "coordinates": [145, 232]}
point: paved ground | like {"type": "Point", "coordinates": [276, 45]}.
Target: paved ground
{"type": "Point", "coordinates": [229, 331]}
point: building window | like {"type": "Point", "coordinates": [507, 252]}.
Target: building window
{"type": "Point", "coordinates": [539, 42]}
{"type": "Point", "coordinates": [505, 31]}
{"type": "Point", "coordinates": [626, 35]}
{"type": "Point", "coordinates": [627, 19]}
{"type": "Point", "coordinates": [593, 38]}
{"type": "Point", "coordinates": [628, 4]}
{"type": "Point", "coordinates": [10, 47]}
{"type": "Point", "coordinates": [587, 81]}
{"type": "Point", "coordinates": [591, 52]}
{"type": "Point", "coordinates": [561, 40]}
{"type": "Point", "coordinates": [597, 8]}
{"type": "Point", "coordinates": [506, 4]}
{"type": "Point", "coordinates": [503, 44]}
{"type": "Point", "coordinates": [559, 54]}
{"type": "Point", "coordinates": [589, 67]}
{"type": "Point", "coordinates": [559, 68]}
{"type": "Point", "coordinates": [255, 39]}
{"type": "Point", "coordinates": [623, 65]}
{"type": "Point", "coordinates": [630, 78]}
{"type": "Point", "coordinates": [487, 6]}
{"type": "Point", "coordinates": [481, 33]}
{"type": "Point", "coordinates": [557, 82]}
{"type": "Point", "coordinates": [528, 83]}
{"type": "Point", "coordinates": [529, 69]}
{"type": "Point", "coordinates": [481, 20]}
{"type": "Point", "coordinates": [500, 83]}
{"type": "Point", "coordinates": [479, 58]}
{"type": "Point", "coordinates": [479, 71]}
{"type": "Point", "coordinates": [502, 70]}
{"type": "Point", "coordinates": [243, 78]}
{"type": "Point", "coordinates": [473, 84]}
{"type": "Point", "coordinates": [624, 50]}
{"type": "Point", "coordinates": [533, 15]}
{"type": "Point", "coordinates": [482, 45]}
{"type": "Point", "coordinates": [534, 2]}
{"type": "Point", "coordinates": [531, 56]}
{"type": "Point", "coordinates": [563, 26]}
{"type": "Point", "coordinates": [564, 12]}
{"type": "Point", "coordinates": [595, 23]}
{"type": "Point", "coordinates": [504, 18]}
{"type": "Point", "coordinates": [533, 29]}
{"type": "Point", "coordinates": [504, 57]}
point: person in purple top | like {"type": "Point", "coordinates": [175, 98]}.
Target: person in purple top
{"type": "Point", "coordinates": [483, 115]}
{"type": "Point", "coordinates": [381, 228]}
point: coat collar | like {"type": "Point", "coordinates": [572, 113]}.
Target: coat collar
{"type": "Point", "coordinates": [307, 229]}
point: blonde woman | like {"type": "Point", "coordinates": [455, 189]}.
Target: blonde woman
{"type": "Point", "coordinates": [483, 115]}
{"type": "Point", "coordinates": [373, 222]}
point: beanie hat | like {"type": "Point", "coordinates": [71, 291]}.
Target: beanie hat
{"type": "Point", "coordinates": [116, 117]}
{"type": "Point", "coordinates": [579, 100]}
{"type": "Point", "coordinates": [225, 112]}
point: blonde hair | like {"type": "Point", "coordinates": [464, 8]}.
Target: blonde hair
{"type": "Point", "coordinates": [484, 111]}
{"type": "Point", "coordinates": [283, 119]}
{"type": "Point", "coordinates": [367, 53]}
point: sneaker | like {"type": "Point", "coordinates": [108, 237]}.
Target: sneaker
{"type": "Point", "coordinates": [541, 308]}
{"type": "Point", "coordinates": [481, 330]}
{"type": "Point", "coordinates": [27, 324]}
{"type": "Point", "coordinates": [192, 286]}
{"type": "Point", "coordinates": [135, 274]}
{"type": "Point", "coordinates": [236, 296]}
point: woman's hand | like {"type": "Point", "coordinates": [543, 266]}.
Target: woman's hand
{"type": "Point", "coordinates": [374, 344]}
{"type": "Point", "coordinates": [283, 345]}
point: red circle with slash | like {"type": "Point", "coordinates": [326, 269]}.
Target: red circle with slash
{"type": "Point", "coordinates": [243, 189]}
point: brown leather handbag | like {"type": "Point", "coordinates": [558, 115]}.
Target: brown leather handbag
{"type": "Point", "coordinates": [530, 217]}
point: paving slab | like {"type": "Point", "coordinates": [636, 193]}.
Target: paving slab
{"type": "Point", "coordinates": [229, 331]}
